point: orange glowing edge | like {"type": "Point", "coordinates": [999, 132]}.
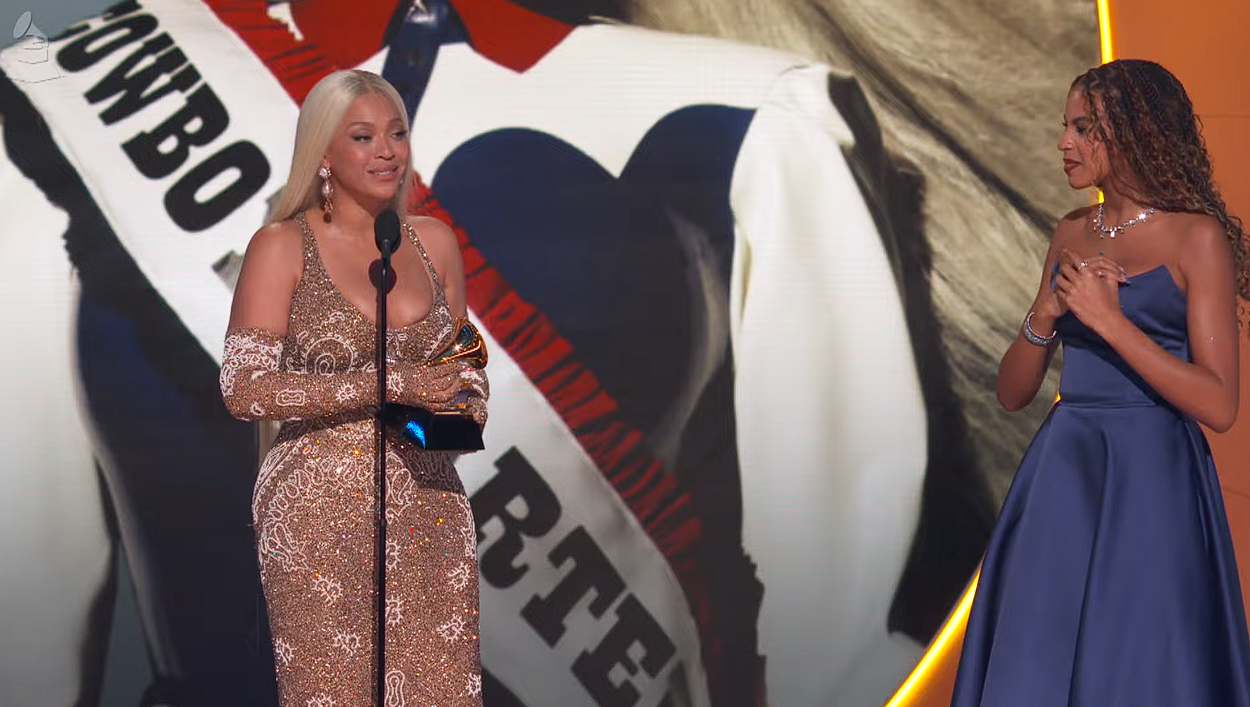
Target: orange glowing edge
{"type": "Point", "coordinates": [948, 642]}
{"type": "Point", "coordinates": [1104, 30]}
{"type": "Point", "coordinates": [945, 646]}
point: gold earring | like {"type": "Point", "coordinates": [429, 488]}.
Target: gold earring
{"type": "Point", "coordinates": [327, 192]}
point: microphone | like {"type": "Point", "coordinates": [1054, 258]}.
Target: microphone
{"type": "Point", "coordinates": [386, 233]}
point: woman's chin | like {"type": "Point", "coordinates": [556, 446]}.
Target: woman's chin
{"type": "Point", "coordinates": [376, 199]}
{"type": "Point", "coordinates": [1078, 182]}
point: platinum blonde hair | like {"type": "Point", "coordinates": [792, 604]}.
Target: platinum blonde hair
{"type": "Point", "coordinates": [319, 120]}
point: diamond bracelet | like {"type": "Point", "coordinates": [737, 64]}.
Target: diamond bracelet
{"type": "Point", "coordinates": [1033, 337]}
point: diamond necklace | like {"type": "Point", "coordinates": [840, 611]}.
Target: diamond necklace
{"type": "Point", "coordinates": [1105, 231]}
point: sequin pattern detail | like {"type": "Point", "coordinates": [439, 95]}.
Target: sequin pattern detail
{"type": "Point", "coordinates": [313, 509]}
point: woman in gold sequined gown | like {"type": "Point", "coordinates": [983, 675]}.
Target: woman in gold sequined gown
{"type": "Point", "coordinates": [300, 349]}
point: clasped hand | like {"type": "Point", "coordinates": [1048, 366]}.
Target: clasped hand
{"type": "Point", "coordinates": [439, 386]}
{"type": "Point", "coordinates": [1089, 288]}
{"type": "Point", "coordinates": [427, 386]}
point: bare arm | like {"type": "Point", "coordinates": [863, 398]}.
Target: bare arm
{"type": "Point", "coordinates": [271, 270]}
{"type": "Point", "coordinates": [440, 243]}
{"type": "Point", "coordinates": [1023, 366]}
{"type": "Point", "coordinates": [1208, 388]}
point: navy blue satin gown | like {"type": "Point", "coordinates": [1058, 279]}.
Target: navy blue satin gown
{"type": "Point", "coordinates": [1110, 578]}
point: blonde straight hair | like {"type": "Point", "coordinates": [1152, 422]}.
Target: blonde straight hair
{"type": "Point", "coordinates": [319, 119]}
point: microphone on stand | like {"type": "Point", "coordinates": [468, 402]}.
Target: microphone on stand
{"type": "Point", "coordinates": [386, 236]}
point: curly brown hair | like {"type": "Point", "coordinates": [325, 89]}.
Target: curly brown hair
{"type": "Point", "coordinates": [1147, 122]}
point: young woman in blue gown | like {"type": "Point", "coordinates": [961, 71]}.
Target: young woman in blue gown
{"type": "Point", "coordinates": [1110, 578]}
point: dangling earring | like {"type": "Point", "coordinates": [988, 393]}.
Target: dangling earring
{"type": "Point", "coordinates": [327, 192]}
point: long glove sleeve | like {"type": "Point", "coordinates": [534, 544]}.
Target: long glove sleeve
{"type": "Point", "coordinates": [254, 387]}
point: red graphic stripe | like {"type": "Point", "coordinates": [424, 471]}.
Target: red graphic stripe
{"type": "Point", "coordinates": [509, 34]}
{"type": "Point", "coordinates": [550, 362]}
{"type": "Point", "coordinates": [298, 65]}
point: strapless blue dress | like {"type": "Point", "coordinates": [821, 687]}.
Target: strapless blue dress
{"type": "Point", "coordinates": [1110, 578]}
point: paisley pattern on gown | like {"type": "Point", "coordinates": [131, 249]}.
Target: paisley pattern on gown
{"type": "Point", "coordinates": [314, 501]}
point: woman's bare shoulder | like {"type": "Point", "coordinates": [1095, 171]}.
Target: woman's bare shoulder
{"type": "Point", "coordinates": [438, 239]}
{"type": "Point", "coordinates": [1200, 229]}
{"type": "Point", "coordinates": [1070, 227]}
{"type": "Point", "coordinates": [276, 249]}
{"type": "Point", "coordinates": [1202, 243]}
{"type": "Point", "coordinates": [279, 234]}
{"type": "Point", "coordinates": [432, 228]}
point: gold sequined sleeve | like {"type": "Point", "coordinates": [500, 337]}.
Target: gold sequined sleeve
{"type": "Point", "coordinates": [254, 387]}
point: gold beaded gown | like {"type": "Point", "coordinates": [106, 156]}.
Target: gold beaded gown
{"type": "Point", "coordinates": [314, 502]}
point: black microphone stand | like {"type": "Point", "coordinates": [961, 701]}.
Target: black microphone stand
{"type": "Point", "coordinates": [386, 246]}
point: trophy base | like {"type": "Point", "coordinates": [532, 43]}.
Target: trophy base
{"type": "Point", "coordinates": [435, 431]}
